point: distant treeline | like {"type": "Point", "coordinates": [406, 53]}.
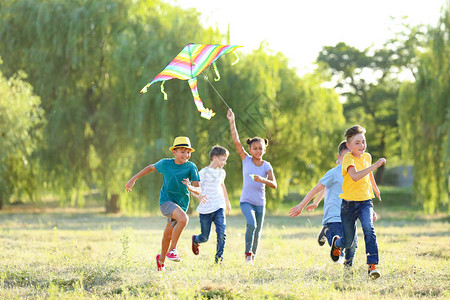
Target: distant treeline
{"type": "Point", "coordinates": [72, 118]}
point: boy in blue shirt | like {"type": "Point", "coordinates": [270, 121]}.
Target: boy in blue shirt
{"type": "Point", "coordinates": [331, 182]}
{"type": "Point", "coordinates": [174, 195]}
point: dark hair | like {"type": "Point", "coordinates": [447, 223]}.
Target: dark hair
{"type": "Point", "coordinates": [342, 147]}
{"type": "Point", "coordinates": [250, 141]}
{"type": "Point", "coordinates": [217, 151]}
{"type": "Point", "coordinates": [354, 130]}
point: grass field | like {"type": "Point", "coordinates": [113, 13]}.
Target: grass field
{"type": "Point", "coordinates": [85, 254]}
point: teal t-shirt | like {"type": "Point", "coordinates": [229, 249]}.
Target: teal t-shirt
{"type": "Point", "coordinates": [173, 188]}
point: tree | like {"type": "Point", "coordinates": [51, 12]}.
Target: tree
{"type": "Point", "coordinates": [88, 60]}
{"type": "Point", "coordinates": [366, 79]}
{"type": "Point", "coordinates": [20, 133]}
{"type": "Point", "coordinates": [425, 119]}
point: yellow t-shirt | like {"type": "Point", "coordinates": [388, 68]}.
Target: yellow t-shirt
{"type": "Point", "coordinates": [360, 190]}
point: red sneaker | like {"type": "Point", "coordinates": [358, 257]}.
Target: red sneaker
{"type": "Point", "coordinates": [173, 255]}
{"type": "Point", "coordinates": [195, 246]}
{"type": "Point", "coordinates": [159, 264]}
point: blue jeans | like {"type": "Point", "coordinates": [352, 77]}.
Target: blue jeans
{"type": "Point", "coordinates": [254, 214]}
{"type": "Point", "coordinates": [218, 217]}
{"type": "Point", "coordinates": [362, 210]}
{"type": "Point", "coordinates": [335, 228]}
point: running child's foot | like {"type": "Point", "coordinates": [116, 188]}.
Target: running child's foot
{"type": "Point", "coordinates": [335, 251]}
{"type": "Point", "coordinates": [321, 238]}
{"type": "Point", "coordinates": [249, 258]}
{"type": "Point", "coordinates": [173, 255]}
{"type": "Point", "coordinates": [373, 272]}
{"type": "Point", "coordinates": [195, 246]}
{"type": "Point", "coordinates": [159, 264]}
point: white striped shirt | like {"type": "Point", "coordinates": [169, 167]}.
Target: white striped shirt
{"type": "Point", "coordinates": [211, 183]}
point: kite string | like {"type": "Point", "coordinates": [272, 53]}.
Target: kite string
{"type": "Point", "coordinates": [206, 78]}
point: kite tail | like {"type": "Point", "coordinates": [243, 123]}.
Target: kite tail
{"type": "Point", "coordinates": [237, 59]}
{"type": "Point", "coordinates": [163, 91]}
{"type": "Point", "coordinates": [204, 112]}
{"type": "Point", "coordinates": [216, 71]}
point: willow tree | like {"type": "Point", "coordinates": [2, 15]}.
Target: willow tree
{"type": "Point", "coordinates": [424, 108]}
{"type": "Point", "coordinates": [87, 60]}
{"type": "Point", "coordinates": [20, 133]}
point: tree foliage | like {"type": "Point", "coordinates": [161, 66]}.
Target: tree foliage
{"type": "Point", "coordinates": [425, 119]}
{"type": "Point", "coordinates": [21, 119]}
{"type": "Point", "coordinates": [87, 60]}
{"type": "Point", "coordinates": [366, 78]}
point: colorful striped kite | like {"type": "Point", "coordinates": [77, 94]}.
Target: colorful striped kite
{"type": "Point", "coordinates": [188, 64]}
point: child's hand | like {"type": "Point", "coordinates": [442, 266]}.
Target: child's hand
{"type": "Point", "coordinates": [380, 162]}
{"type": "Point", "coordinates": [228, 208]}
{"type": "Point", "coordinates": [186, 182]}
{"type": "Point", "coordinates": [296, 210]}
{"type": "Point", "coordinates": [377, 192]}
{"type": "Point", "coordinates": [258, 178]}
{"type": "Point", "coordinates": [202, 199]}
{"type": "Point", "coordinates": [311, 207]}
{"type": "Point", "coordinates": [129, 185]}
{"type": "Point", "coordinates": [374, 216]}
{"type": "Point", "coordinates": [230, 115]}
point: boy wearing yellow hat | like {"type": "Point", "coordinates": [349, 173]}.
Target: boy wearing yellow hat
{"type": "Point", "coordinates": [174, 195]}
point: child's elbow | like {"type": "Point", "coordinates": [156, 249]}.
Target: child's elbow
{"type": "Point", "coordinates": [354, 178]}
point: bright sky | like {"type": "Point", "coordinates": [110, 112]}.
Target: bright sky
{"type": "Point", "coordinates": [299, 28]}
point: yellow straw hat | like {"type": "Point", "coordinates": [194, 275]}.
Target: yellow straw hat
{"type": "Point", "coordinates": [182, 141]}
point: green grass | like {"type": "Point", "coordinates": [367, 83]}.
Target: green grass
{"type": "Point", "coordinates": [73, 254]}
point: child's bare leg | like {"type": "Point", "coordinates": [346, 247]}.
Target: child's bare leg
{"type": "Point", "coordinates": [167, 235]}
{"type": "Point", "coordinates": [182, 219]}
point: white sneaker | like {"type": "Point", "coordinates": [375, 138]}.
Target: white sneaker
{"type": "Point", "coordinates": [249, 260]}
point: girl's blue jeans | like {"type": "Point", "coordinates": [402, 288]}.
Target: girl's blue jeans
{"type": "Point", "coordinates": [218, 217]}
{"type": "Point", "coordinates": [254, 214]}
{"type": "Point", "coordinates": [335, 228]}
{"type": "Point", "coordinates": [350, 212]}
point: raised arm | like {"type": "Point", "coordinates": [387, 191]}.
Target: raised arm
{"type": "Point", "coordinates": [296, 210]}
{"type": "Point", "coordinates": [235, 135]}
{"type": "Point", "coordinates": [357, 175]}
{"type": "Point", "coordinates": [147, 170]}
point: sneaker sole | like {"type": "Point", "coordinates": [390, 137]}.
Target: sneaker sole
{"type": "Point", "coordinates": [173, 259]}
{"type": "Point", "coordinates": [321, 238]}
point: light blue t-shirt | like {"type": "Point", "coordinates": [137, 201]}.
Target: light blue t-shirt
{"type": "Point", "coordinates": [332, 180]}
{"type": "Point", "coordinates": [254, 192]}
{"type": "Point", "coordinates": [173, 188]}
